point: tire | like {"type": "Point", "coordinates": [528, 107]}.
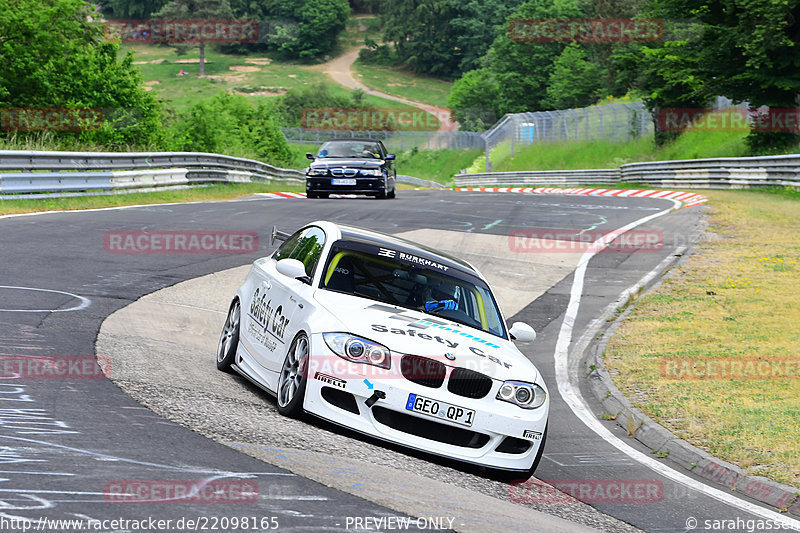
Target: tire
{"type": "Point", "coordinates": [291, 387]}
{"type": "Point", "coordinates": [311, 195]}
{"type": "Point", "coordinates": [508, 477]}
{"type": "Point", "coordinates": [229, 339]}
{"type": "Point", "coordinates": [381, 194]}
{"type": "Point", "coordinates": [392, 194]}
{"type": "Point", "coordinates": [323, 195]}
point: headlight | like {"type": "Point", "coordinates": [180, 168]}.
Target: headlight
{"type": "Point", "coordinates": [358, 349]}
{"type": "Point", "coordinates": [317, 171]}
{"type": "Point", "coordinates": [371, 172]}
{"type": "Point", "coordinates": [525, 395]}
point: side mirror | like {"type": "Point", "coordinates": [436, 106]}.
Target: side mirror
{"type": "Point", "coordinates": [292, 268]}
{"type": "Point", "coordinates": [310, 156]}
{"type": "Point", "coordinates": [389, 157]}
{"type": "Point", "coordinates": [521, 332]}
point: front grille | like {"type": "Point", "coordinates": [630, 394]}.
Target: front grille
{"type": "Point", "coordinates": [423, 371]}
{"type": "Point", "coordinates": [469, 383]}
{"type": "Point", "coordinates": [346, 172]}
{"type": "Point", "coordinates": [428, 429]}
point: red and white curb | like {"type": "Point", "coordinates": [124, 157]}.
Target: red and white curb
{"type": "Point", "coordinates": [688, 199]}
{"type": "Point", "coordinates": [281, 194]}
{"type": "Point", "coordinates": [297, 195]}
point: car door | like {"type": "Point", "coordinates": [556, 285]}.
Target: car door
{"type": "Point", "coordinates": [277, 298]}
{"type": "Point", "coordinates": [391, 173]}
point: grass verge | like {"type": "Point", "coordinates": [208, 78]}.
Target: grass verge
{"type": "Point", "coordinates": [435, 165]}
{"type": "Point", "coordinates": [401, 82]}
{"type": "Point", "coordinates": [574, 155]}
{"type": "Point", "coordinates": [222, 191]}
{"type": "Point", "coordinates": [736, 300]}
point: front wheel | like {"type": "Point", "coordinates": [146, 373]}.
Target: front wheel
{"type": "Point", "coordinates": [229, 339]}
{"type": "Point", "coordinates": [292, 380]}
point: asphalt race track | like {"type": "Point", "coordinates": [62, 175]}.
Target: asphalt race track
{"type": "Point", "coordinates": [63, 441]}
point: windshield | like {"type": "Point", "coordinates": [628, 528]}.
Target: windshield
{"type": "Point", "coordinates": [413, 282]}
{"type": "Point", "coordinates": [350, 149]}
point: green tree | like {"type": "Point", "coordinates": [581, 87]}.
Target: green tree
{"type": "Point", "coordinates": [522, 70]}
{"type": "Point", "coordinates": [300, 29]}
{"type": "Point", "coordinates": [472, 99]}
{"type": "Point", "coordinates": [53, 55]}
{"type": "Point", "coordinates": [443, 37]}
{"type": "Point", "coordinates": [575, 81]}
{"type": "Point", "coordinates": [744, 49]}
{"type": "Point", "coordinates": [196, 9]}
{"type": "Point", "coordinates": [367, 6]}
{"type": "Point", "coordinates": [133, 9]}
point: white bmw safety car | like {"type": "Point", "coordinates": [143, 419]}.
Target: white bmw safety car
{"type": "Point", "coordinates": [391, 339]}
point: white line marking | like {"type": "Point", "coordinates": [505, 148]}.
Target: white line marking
{"type": "Point", "coordinates": [35, 473]}
{"type": "Point", "coordinates": [582, 411]}
{"type": "Point", "coordinates": [85, 302]}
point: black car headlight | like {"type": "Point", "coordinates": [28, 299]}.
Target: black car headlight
{"type": "Point", "coordinates": [317, 171]}
{"type": "Point", "coordinates": [376, 172]}
{"type": "Point", "coordinates": [525, 395]}
{"type": "Point", "coordinates": [358, 349]}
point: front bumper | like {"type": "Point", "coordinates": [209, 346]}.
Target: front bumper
{"type": "Point", "coordinates": [371, 185]}
{"type": "Point", "coordinates": [495, 439]}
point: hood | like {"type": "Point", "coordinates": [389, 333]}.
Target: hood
{"type": "Point", "coordinates": [415, 333]}
{"type": "Point", "coordinates": [349, 162]}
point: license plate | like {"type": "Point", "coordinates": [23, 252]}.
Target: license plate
{"type": "Point", "coordinates": [343, 181]}
{"type": "Point", "coordinates": [442, 410]}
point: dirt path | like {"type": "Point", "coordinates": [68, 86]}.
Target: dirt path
{"type": "Point", "coordinates": [340, 70]}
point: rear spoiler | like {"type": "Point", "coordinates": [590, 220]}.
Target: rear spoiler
{"type": "Point", "coordinates": [278, 235]}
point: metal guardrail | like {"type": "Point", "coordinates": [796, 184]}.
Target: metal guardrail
{"type": "Point", "coordinates": [719, 173]}
{"type": "Point", "coordinates": [541, 177]}
{"type": "Point", "coordinates": [25, 173]}
{"type": "Point", "coordinates": [42, 172]}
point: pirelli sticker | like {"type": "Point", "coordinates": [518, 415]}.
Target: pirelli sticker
{"type": "Point", "coordinates": [330, 380]}
{"type": "Point", "coordinates": [531, 434]}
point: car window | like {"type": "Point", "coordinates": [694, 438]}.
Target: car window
{"type": "Point", "coordinates": [285, 249]}
{"type": "Point", "coordinates": [370, 272]}
{"type": "Point", "coordinates": [368, 149]}
{"type": "Point", "coordinates": [305, 246]}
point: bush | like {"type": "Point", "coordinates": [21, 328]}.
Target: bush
{"type": "Point", "coordinates": [230, 124]}
{"type": "Point", "coordinates": [289, 108]}
{"type": "Point", "coordinates": [378, 54]}
{"type": "Point", "coordinates": [58, 58]}
{"type": "Point", "coordinates": [471, 99]}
